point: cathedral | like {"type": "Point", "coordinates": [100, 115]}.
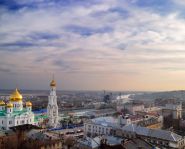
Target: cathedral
{"type": "Point", "coordinates": [13, 113]}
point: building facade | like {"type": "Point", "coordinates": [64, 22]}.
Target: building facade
{"type": "Point", "coordinates": [173, 109]}
{"type": "Point", "coordinates": [13, 113]}
{"type": "Point", "coordinates": [131, 108]}
{"type": "Point", "coordinates": [100, 126]}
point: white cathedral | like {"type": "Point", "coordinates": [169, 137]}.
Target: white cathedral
{"type": "Point", "coordinates": [13, 113]}
{"type": "Point", "coordinates": [52, 109]}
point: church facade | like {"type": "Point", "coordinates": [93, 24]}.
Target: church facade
{"type": "Point", "coordinates": [13, 113]}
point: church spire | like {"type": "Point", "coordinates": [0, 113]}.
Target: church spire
{"type": "Point", "coordinates": [53, 82]}
{"type": "Point", "coordinates": [52, 109]}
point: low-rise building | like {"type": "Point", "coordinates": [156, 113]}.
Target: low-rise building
{"type": "Point", "coordinates": [172, 109]}
{"type": "Point", "coordinates": [107, 125]}
{"type": "Point", "coordinates": [130, 108]}
{"type": "Point", "coordinates": [157, 137]}
{"type": "Point", "coordinates": [99, 142]}
{"type": "Point", "coordinates": [100, 126]}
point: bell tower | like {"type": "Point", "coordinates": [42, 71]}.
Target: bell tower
{"type": "Point", "coordinates": [52, 109]}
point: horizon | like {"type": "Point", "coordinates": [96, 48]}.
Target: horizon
{"type": "Point", "coordinates": [133, 45]}
{"type": "Point", "coordinates": [73, 90]}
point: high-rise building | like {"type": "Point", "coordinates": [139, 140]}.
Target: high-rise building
{"type": "Point", "coordinates": [52, 109]}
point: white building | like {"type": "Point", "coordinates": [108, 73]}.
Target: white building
{"type": "Point", "coordinates": [52, 109]}
{"type": "Point", "coordinates": [124, 120]}
{"type": "Point", "coordinates": [131, 108]}
{"type": "Point", "coordinates": [105, 125]}
{"type": "Point", "coordinates": [13, 113]}
{"type": "Point", "coordinates": [173, 109]}
{"type": "Point", "coordinates": [100, 126]}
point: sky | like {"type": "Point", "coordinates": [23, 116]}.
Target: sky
{"type": "Point", "coordinates": [93, 44]}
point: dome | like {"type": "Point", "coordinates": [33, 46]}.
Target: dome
{"type": "Point", "coordinates": [9, 105]}
{"type": "Point", "coordinates": [2, 103]}
{"type": "Point", "coordinates": [28, 104]}
{"type": "Point", "coordinates": [53, 83]}
{"type": "Point", "coordinates": [15, 96]}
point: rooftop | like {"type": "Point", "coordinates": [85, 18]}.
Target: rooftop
{"type": "Point", "coordinates": [91, 142]}
{"type": "Point", "coordinates": [111, 140]}
{"type": "Point", "coordinates": [155, 133]}
{"type": "Point", "coordinates": [37, 117]}
{"type": "Point", "coordinates": [105, 121]}
{"type": "Point", "coordinates": [15, 113]}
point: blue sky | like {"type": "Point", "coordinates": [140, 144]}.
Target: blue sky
{"type": "Point", "coordinates": [111, 44]}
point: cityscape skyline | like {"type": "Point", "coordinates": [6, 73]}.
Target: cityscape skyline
{"type": "Point", "coordinates": [92, 45]}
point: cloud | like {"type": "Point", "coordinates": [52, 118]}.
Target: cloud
{"type": "Point", "coordinates": [179, 2]}
{"type": "Point", "coordinates": [85, 31]}
{"type": "Point", "coordinates": [91, 37]}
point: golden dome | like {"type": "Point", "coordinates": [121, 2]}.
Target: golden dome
{"type": "Point", "coordinates": [9, 105]}
{"type": "Point", "coordinates": [53, 83]}
{"type": "Point", "coordinates": [28, 104]}
{"type": "Point", "coordinates": [2, 103]}
{"type": "Point", "coordinates": [15, 96]}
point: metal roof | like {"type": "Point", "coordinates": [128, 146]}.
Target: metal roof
{"type": "Point", "coordinates": [105, 121]}
{"type": "Point", "coordinates": [154, 133]}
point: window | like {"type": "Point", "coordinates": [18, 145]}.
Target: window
{"type": "Point", "coordinates": [2, 121]}
{"type": "Point", "coordinates": [166, 143]}
{"type": "Point", "coordinates": [10, 122]}
{"type": "Point", "coordinates": [17, 122]}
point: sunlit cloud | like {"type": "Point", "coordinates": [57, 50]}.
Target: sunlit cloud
{"type": "Point", "coordinates": [110, 40]}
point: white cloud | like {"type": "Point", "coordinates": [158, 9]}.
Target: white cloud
{"type": "Point", "coordinates": [180, 2]}
{"type": "Point", "coordinates": [138, 42]}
